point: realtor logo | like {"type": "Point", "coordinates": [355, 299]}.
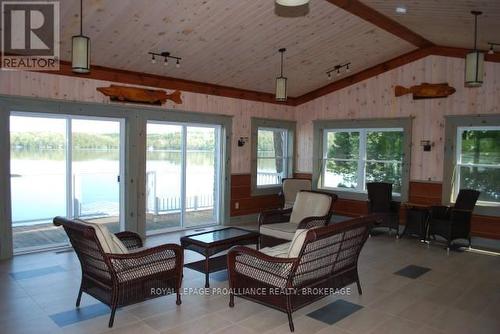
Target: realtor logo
{"type": "Point", "coordinates": [30, 35]}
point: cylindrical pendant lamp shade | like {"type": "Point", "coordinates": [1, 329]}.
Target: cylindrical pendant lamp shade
{"type": "Point", "coordinates": [474, 69]}
{"type": "Point", "coordinates": [291, 3]}
{"type": "Point", "coordinates": [281, 89]}
{"type": "Point", "coordinates": [80, 54]}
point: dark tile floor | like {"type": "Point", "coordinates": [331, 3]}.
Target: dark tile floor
{"type": "Point", "coordinates": [459, 294]}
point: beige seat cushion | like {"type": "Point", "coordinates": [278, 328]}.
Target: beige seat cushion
{"type": "Point", "coordinates": [277, 251]}
{"type": "Point", "coordinates": [110, 243]}
{"type": "Point", "coordinates": [310, 204]}
{"type": "Point", "coordinates": [291, 188]}
{"type": "Point", "coordinates": [280, 230]}
{"type": "Point", "coordinates": [297, 242]}
{"type": "Point", "coordinates": [289, 249]}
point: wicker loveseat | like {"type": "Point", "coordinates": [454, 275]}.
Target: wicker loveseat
{"type": "Point", "coordinates": [326, 259]}
{"type": "Point", "coordinates": [122, 279]}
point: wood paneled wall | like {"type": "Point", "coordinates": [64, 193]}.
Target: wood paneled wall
{"type": "Point", "coordinates": [374, 98]}
{"type": "Point", "coordinates": [248, 204]}
{"type": "Point", "coordinates": [39, 84]}
{"type": "Point", "coordinates": [371, 98]}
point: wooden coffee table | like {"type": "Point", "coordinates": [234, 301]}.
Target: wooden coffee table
{"type": "Point", "coordinates": [213, 242]}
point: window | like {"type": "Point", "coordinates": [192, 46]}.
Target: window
{"type": "Point", "coordinates": [272, 154]}
{"type": "Point", "coordinates": [352, 157]}
{"type": "Point", "coordinates": [349, 153]}
{"type": "Point", "coordinates": [272, 157]}
{"type": "Point", "coordinates": [478, 162]}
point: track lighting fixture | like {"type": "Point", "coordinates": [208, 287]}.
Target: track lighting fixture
{"type": "Point", "coordinates": [166, 56]}
{"type": "Point", "coordinates": [338, 69]}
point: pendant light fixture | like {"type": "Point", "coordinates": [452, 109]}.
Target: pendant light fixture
{"type": "Point", "coordinates": [80, 49]}
{"type": "Point", "coordinates": [474, 61]}
{"type": "Point", "coordinates": [281, 81]}
{"type": "Point", "coordinates": [291, 3]}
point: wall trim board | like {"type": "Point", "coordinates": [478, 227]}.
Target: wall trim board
{"type": "Point", "coordinates": [378, 19]}
{"type": "Point", "coordinates": [6, 250]}
{"type": "Point", "coordinates": [153, 80]}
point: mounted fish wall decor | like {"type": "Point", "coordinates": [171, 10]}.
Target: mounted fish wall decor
{"type": "Point", "coordinates": [426, 91]}
{"type": "Point", "coordinates": [139, 95]}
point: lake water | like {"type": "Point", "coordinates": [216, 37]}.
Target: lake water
{"type": "Point", "coordinates": [38, 181]}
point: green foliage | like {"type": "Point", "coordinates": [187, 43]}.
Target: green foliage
{"type": "Point", "coordinates": [270, 144]}
{"type": "Point", "coordinates": [481, 147]}
{"type": "Point", "coordinates": [379, 146]}
{"type": "Point", "coordinates": [50, 141]}
{"type": "Point", "coordinates": [343, 145]}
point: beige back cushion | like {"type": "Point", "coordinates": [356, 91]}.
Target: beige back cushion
{"type": "Point", "coordinates": [291, 188]}
{"type": "Point", "coordinates": [297, 242]}
{"type": "Point", "coordinates": [309, 204]}
{"type": "Point", "coordinates": [110, 243]}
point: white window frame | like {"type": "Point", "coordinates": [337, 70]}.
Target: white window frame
{"type": "Point", "coordinates": [218, 176]}
{"type": "Point", "coordinates": [362, 160]}
{"type": "Point", "coordinates": [285, 157]}
{"type": "Point", "coordinates": [459, 164]}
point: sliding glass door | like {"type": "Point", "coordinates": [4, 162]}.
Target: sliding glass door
{"type": "Point", "coordinates": [182, 176]}
{"type": "Point", "coordinates": [62, 166]}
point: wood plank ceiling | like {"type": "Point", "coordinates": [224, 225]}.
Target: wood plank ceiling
{"type": "Point", "coordinates": [228, 42]}
{"type": "Point", "coordinates": [446, 22]}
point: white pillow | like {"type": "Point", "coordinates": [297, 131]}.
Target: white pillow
{"type": "Point", "coordinates": [110, 243]}
{"type": "Point", "coordinates": [297, 242]}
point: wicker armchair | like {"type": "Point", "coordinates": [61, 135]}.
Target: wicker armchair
{"type": "Point", "coordinates": [311, 209]}
{"type": "Point", "coordinates": [290, 189]}
{"type": "Point", "coordinates": [122, 279]}
{"type": "Point", "coordinates": [327, 260]}
{"type": "Point", "coordinates": [380, 202]}
{"type": "Point", "coordinates": [453, 222]}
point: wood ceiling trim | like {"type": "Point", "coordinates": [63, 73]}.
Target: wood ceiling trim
{"type": "Point", "coordinates": [144, 79]}
{"type": "Point", "coordinates": [461, 53]}
{"type": "Point", "coordinates": [152, 80]}
{"type": "Point", "coordinates": [367, 13]}
{"type": "Point", "coordinates": [363, 75]}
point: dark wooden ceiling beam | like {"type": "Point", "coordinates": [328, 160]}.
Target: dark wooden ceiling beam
{"type": "Point", "coordinates": [367, 13]}
{"type": "Point", "coordinates": [390, 65]}
{"type": "Point", "coordinates": [448, 51]}
{"type": "Point", "coordinates": [152, 80]}
{"type": "Point", "coordinates": [363, 75]}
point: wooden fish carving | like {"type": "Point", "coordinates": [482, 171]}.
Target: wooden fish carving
{"type": "Point", "coordinates": [139, 95]}
{"type": "Point", "coordinates": [426, 91]}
